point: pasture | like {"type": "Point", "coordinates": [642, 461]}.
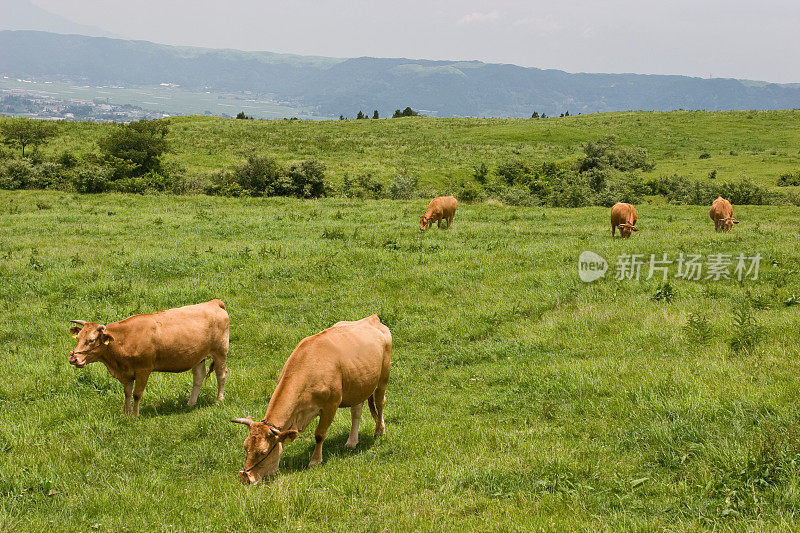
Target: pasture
{"type": "Point", "coordinates": [443, 152]}
{"type": "Point", "coordinates": [520, 397]}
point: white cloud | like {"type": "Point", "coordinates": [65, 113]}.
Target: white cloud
{"type": "Point", "coordinates": [477, 16]}
{"type": "Point", "coordinates": [547, 23]}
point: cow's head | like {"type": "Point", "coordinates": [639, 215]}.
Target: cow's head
{"type": "Point", "coordinates": [263, 446]}
{"type": "Point", "coordinates": [93, 340]}
{"type": "Point", "coordinates": [727, 223]}
{"type": "Point", "coordinates": [626, 229]}
{"type": "Point", "coordinates": [424, 223]}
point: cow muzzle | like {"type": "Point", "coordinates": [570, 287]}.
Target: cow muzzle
{"type": "Point", "coordinates": [247, 478]}
{"type": "Point", "coordinates": [74, 361]}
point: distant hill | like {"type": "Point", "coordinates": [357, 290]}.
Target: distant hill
{"type": "Point", "coordinates": [25, 15]}
{"type": "Point", "coordinates": [344, 86]}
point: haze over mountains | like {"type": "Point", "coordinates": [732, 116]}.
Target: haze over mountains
{"type": "Point", "coordinates": [331, 86]}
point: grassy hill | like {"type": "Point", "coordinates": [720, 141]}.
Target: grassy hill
{"type": "Point", "coordinates": [758, 145]}
{"type": "Point", "coordinates": [520, 398]}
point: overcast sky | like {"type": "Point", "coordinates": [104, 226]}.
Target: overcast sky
{"type": "Point", "coordinates": [720, 38]}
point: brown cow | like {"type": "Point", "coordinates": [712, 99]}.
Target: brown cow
{"type": "Point", "coordinates": [341, 366]}
{"type": "Point", "coordinates": [441, 208]}
{"type": "Point", "coordinates": [722, 215]}
{"type": "Point", "coordinates": [175, 340]}
{"type": "Point", "coordinates": [623, 216]}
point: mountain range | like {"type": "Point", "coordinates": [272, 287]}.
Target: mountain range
{"type": "Point", "coordinates": [334, 86]}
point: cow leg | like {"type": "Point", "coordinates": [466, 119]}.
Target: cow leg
{"type": "Point", "coordinates": [220, 369]}
{"type": "Point", "coordinates": [198, 374]}
{"type": "Point", "coordinates": [355, 416]}
{"type": "Point", "coordinates": [613, 230]}
{"type": "Point", "coordinates": [439, 223]}
{"type": "Point", "coordinates": [128, 386]}
{"type": "Point", "coordinates": [138, 390]}
{"type": "Point", "coordinates": [325, 420]}
{"type": "Point", "coordinates": [377, 401]}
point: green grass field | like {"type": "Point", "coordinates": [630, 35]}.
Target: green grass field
{"type": "Point", "coordinates": [520, 398]}
{"type": "Point", "coordinates": [757, 145]}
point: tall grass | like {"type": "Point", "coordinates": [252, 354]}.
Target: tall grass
{"type": "Point", "coordinates": [520, 397]}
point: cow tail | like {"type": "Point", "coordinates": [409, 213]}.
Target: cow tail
{"type": "Point", "coordinates": [371, 402]}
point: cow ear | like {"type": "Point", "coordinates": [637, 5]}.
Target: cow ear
{"type": "Point", "coordinates": [289, 434]}
{"type": "Point", "coordinates": [106, 338]}
{"type": "Point", "coordinates": [74, 330]}
{"type": "Point", "coordinates": [634, 228]}
{"type": "Point", "coordinates": [735, 221]}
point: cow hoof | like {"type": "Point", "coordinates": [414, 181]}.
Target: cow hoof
{"type": "Point", "coordinates": [191, 403]}
{"type": "Point", "coordinates": [314, 462]}
{"type": "Point", "coordinates": [351, 445]}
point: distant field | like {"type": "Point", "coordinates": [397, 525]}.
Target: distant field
{"type": "Point", "coordinates": [520, 398]}
{"type": "Point", "coordinates": [167, 99]}
{"type": "Point", "coordinates": [443, 151]}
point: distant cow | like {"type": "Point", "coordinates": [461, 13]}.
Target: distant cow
{"type": "Point", "coordinates": [722, 214]}
{"type": "Point", "coordinates": [441, 208]}
{"type": "Point", "coordinates": [175, 340]}
{"type": "Point", "coordinates": [341, 366]}
{"type": "Point", "coordinates": [623, 216]}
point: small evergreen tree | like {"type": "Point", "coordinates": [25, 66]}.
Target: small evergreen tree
{"type": "Point", "coordinates": [535, 114]}
{"type": "Point", "coordinates": [360, 115]}
{"type": "Point", "coordinates": [375, 115]}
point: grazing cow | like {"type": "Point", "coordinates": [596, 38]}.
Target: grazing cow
{"type": "Point", "coordinates": [441, 208]}
{"type": "Point", "coordinates": [341, 366]}
{"type": "Point", "coordinates": [623, 216]}
{"type": "Point", "coordinates": [175, 340]}
{"type": "Point", "coordinates": [722, 215]}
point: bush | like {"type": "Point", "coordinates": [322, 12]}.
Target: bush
{"type": "Point", "coordinates": [258, 176]}
{"type": "Point", "coordinates": [135, 149]}
{"type": "Point", "coordinates": [16, 174]}
{"type": "Point", "coordinates": [469, 191]}
{"type": "Point", "coordinates": [92, 180]}
{"type": "Point", "coordinates": [364, 186]}
{"type": "Point", "coordinates": [745, 192]}
{"type": "Point", "coordinates": [307, 179]}
{"type": "Point", "coordinates": [403, 187]}
{"type": "Point", "coordinates": [515, 172]}
{"type": "Point", "coordinates": [519, 196]}
{"type": "Point", "coordinates": [790, 179]}
{"type": "Point", "coordinates": [570, 190]}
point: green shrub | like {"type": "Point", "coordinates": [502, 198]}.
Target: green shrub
{"type": "Point", "coordinates": [363, 186]}
{"type": "Point", "coordinates": [515, 172]}
{"type": "Point", "coordinates": [519, 196]}
{"type": "Point", "coordinates": [470, 191]}
{"type": "Point", "coordinates": [790, 179]}
{"type": "Point", "coordinates": [258, 175]}
{"type": "Point", "coordinates": [403, 187]}
{"type": "Point", "coordinates": [307, 179]}
{"type": "Point", "coordinates": [16, 174]}
{"type": "Point", "coordinates": [92, 180]}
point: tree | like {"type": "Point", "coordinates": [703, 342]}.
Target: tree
{"type": "Point", "coordinates": [341, 117]}
{"type": "Point", "coordinates": [136, 148]}
{"type": "Point", "coordinates": [535, 114]}
{"type": "Point", "coordinates": [24, 132]}
{"type": "Point", "coordinates": [407, 112]}
{"type": "Point", "coordinates": [242, 116]}
{"type": "Point", "coordinates": [375, 115]}
{"type": "Point", "coordinates": [566, 113]}
{"type": "Point", "coordinates": [360, 115]}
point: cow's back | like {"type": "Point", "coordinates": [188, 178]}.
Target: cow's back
{"type": "Point", "coordinates": [349, 358]}
{"type": "Point", "coordinates": [721, 208]}
{"type": "Point", "coordinates": [621, 213]}
{"type": "Point", "coordinates": [176, 339]}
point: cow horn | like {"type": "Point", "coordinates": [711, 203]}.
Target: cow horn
{"type": "Point", "coordinates": [246, 421]}
{"type": "Point", "coordinates": [81, 322]}
{"type": "Point", "coordinates": [101, 328]}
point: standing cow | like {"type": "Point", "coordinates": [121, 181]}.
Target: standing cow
{"type": "Point", "coordinates": [341, 366]}
{"type": "Point", "coordinates": [722, 215]}
{"type": "Point", "coordinates": [175, 340]}
{"type": "Point", "coordinates": [441, 208]}
{"type": "Point", "coordinates": [623, 216]}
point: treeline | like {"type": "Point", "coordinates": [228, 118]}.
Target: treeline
{"type": "Point", "coordinates": [129, 159]}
